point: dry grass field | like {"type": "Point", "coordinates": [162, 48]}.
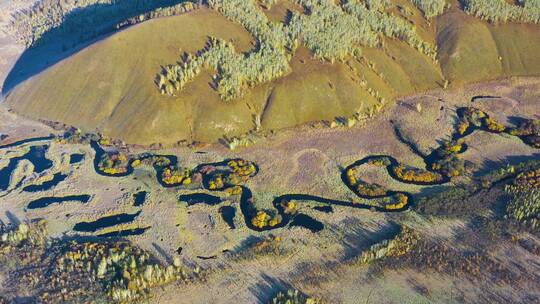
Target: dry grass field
{"type": "Point", "coordinates": [323, 264]}
{"type": "Point", "coordinates": [270, 151]}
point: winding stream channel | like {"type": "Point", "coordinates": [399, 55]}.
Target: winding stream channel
{"type": "Point", "coordinates": [230, 176]}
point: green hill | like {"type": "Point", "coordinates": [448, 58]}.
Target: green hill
{"type": "Point", "coordinates": [110, 86]}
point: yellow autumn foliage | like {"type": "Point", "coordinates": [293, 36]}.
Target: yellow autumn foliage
{"type": "Point", "coordinates": [260, 220]}
{"type": "Point", "coordinates": [416, 175]}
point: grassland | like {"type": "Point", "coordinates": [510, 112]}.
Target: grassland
{"type": "Point", "coordinates": [279, 70]}
{"type": "Point", "coordinates": [456, 236]}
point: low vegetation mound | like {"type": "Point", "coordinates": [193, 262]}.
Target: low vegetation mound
{"type": "Point", "coordinates": [56, 270]}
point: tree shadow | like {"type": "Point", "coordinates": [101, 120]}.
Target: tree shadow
{"type": "Point", "coordinates": [268, 287]}
{"type": "Point", "coordinates": [490, 165]}
{"type": "Point", "coordinates": [359, 239]}
{"type": "Point", "coordinates": [166, 257]}
{"type": "Point", "coordinates": [13, 219]}
{"type": "Point", "coordinates": [80, 28]}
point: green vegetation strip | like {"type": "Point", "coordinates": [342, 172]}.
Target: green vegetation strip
{"type": "Point", "coordinates": [332, 32]}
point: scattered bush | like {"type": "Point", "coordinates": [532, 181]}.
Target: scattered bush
{"type": "Point", "coordinates": [390, 26]}
{"type": "Point", "coordinates": [267, 3]}
{"type": "Point", "coordinates": [24, 235]}
{"type": "Point", "coordinates": [293, 296]}
{"type": "Point", "coordinates": [176, 176]}
{"type": "Point", "coordinates": [508, 171]}
{"type": "Point", "coordinates": [416, 175]}
{"type": "Point", "coordinates": [113, 163]}
{"type": "Point", "coordinates": [397, 246]}
{"type": "Point", "coordinates": [428, 255]}
{"type": "Point", "coordinates": [174, 10]}
{"type": "Point", "coordinates": [127, 272]}
{"type": "Point", "coordinates": [525, 204]}
{"type": "Point", "coordinates": [263, 220]}
{"type": "Point", "coordinates": [59, 271]}
{"type": "Point", "coordinates": [332, 32]}
{"type": "Point", "coordinates": [269, 61]}
{"type": "Point", "coordinates": [450, 166]}
{"type": "Point", "coordinates": [74, 17]}
{"type": "Point", "coordinates": [380, 5]}
{"type": "Point", "coordinates": [270, 245]}
{"type": "Point", "coordinates": [451, 202]}
{"type": "Point", "coordinates": [398, 201]}
{"type": "Point", "coordinates": [328, 31]}
{"type": "Point", "coordinates": [503, 11]}
{"type": "Point", "coordinates": [431, 8]}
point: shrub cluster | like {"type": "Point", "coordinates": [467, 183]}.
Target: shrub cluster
{"type": "Point", "coordinates": [525, 204]}
{"type": "Point", "coordinates": [446, 162]}
{"type": "Point", "coordinates": [503, 11]}
{"type": "Point", "coordinates": [529, 131]}
{"type": "Point", "coordinates": [472, 118]}
{"type": "Point", "coordinates": [229, 179]}
{"type": "Point", "coordinates": [397, 246]}
{"type": "Point", "coordinates": [74, 16]}
{"type": "Point", "coordinates": [79, 272]}
{"type": "Point", "coordinates": [431, 8]}
{"type": "Point", "coordinates": [370, 190]}
{"type": "Point", "coordinates": [176, 176]}
{"type": "Point", "coordinates": [331, 31]}
{"type": "Point", "coordinates": [293, 296]}
{"type": "Point", "coordinates": [160, 12]}
{"type": "Point", "coordinates": [398, 201]}
{"type": "Point", "coordinates": [263, 219]}
{"type": "Point", "coordinates": [23, 235]}
{"type": "Point", "coordinates": [127, 272]}
{"type": "Point", "coordinates": [113, 163]}
{"type": "Point", "coordinates": [390, 26]}
{"type": "Point", "coordinates": [416, 175]}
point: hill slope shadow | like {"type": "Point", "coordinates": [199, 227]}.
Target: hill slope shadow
{"type": "Point", "coordinates": [80, 28]}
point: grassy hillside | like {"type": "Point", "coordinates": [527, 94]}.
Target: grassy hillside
{"type": "Point", "coordinates": [473, 50]}
{"type": "Point", "coordinates": [110, 86]}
